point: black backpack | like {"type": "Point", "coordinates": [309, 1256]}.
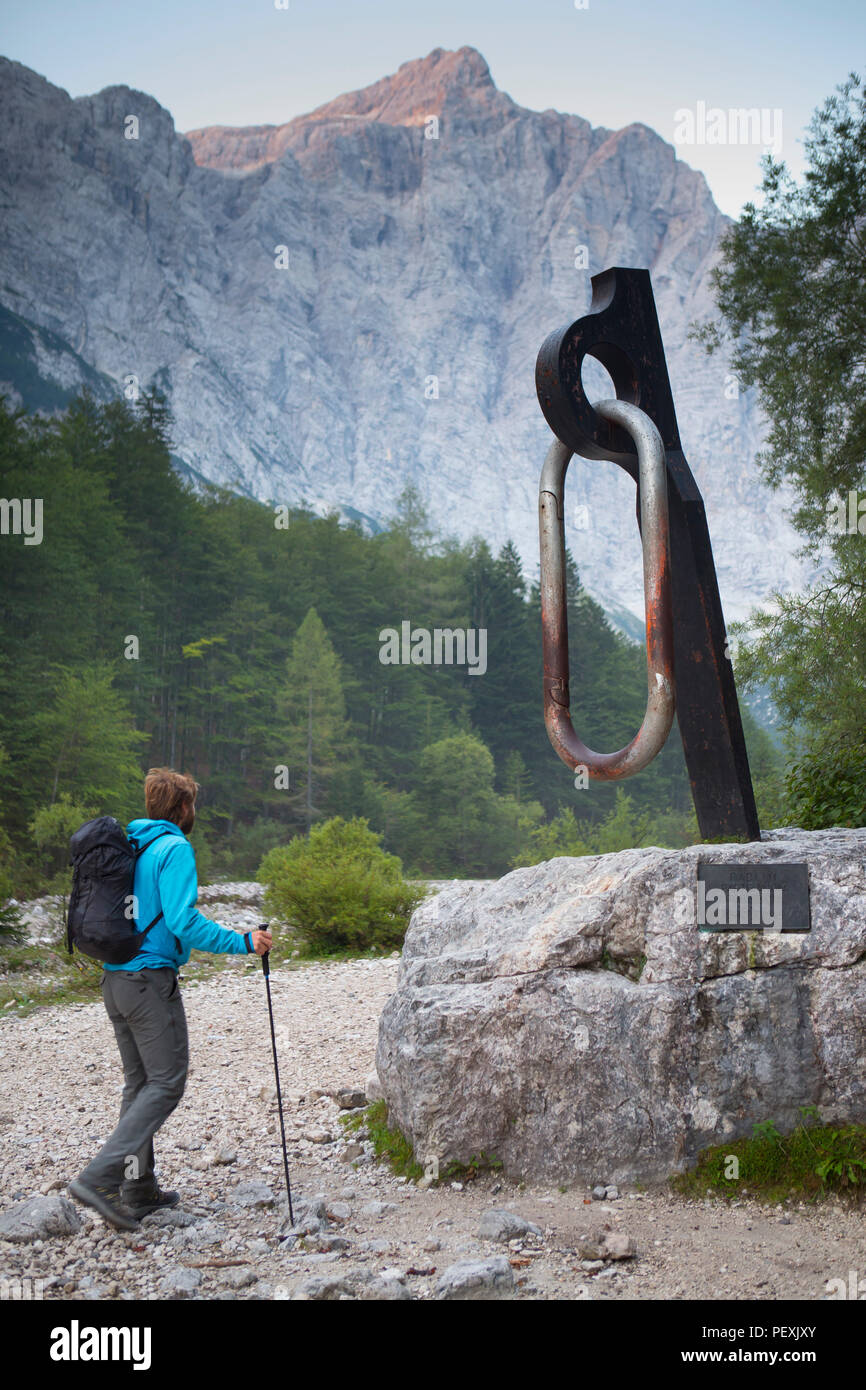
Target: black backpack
{"type": "Point", "coordinates": [99, 919]}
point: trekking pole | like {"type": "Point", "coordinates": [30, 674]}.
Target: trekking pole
{"type": "Point", "coordinates": [267, 969]}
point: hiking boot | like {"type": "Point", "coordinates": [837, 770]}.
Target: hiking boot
{"type": "Point", "coordinates": [143, 1204]}
{"type": "Point", "coordinates": [105, 1200]}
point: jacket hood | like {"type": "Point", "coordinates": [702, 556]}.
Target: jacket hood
{"type": "Point", "coordinates": [143, 832]}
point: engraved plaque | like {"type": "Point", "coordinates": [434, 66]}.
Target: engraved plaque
{"type": "Point", "coordinates": [753, 897]}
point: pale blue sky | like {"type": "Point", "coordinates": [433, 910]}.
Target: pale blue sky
{"type": "Point", "coordinates": [245, 62]}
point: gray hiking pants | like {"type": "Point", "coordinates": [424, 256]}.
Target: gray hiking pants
{"type": "Point", "coordinates": [146, 1009]}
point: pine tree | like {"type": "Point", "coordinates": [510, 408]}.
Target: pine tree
{"type": "Point", "coordinates": [313, 714]}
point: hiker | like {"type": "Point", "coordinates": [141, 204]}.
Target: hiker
{"type": "Point", "coordinates": [144, 1002]}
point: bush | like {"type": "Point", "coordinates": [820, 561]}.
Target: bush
{"type": "Point", "coordinates": [623, 827]}
{"type": "Point", "coordinates": [828, 786]}
{"type": "Point", "coordinates": [339, 890]}
{"type": "Point", "coordinates": [12, 931]}
{"type": "Point", "coordinates": [455, 822]}
{"type": "Point", "coordinates": [51, 828]}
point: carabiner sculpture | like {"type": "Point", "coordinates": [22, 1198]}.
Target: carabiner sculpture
{"type": "Point", "coordinates": [622, 332]}
{"type": "Point", "coordinates": [655, 533]}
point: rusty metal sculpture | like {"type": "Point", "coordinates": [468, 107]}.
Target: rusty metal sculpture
{"type": "Point", "coordinates": [685, 630]}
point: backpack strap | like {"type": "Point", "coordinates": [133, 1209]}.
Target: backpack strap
{"type": "Point", "coordinates": [138, 853]}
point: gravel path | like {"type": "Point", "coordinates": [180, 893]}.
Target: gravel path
{"type": "Point", "coordinates": [370, 1235]}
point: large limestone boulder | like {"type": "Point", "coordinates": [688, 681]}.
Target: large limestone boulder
{"type": "Point", "coordinates": [572, 1021]}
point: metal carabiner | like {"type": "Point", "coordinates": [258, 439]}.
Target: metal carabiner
{"type": "Point", "coordinates": [653, 732]}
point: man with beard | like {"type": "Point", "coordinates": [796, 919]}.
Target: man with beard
{"type": "Point", "coordinates": [143, 1001]}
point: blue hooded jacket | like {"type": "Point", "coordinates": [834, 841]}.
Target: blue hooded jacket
{"type": "Point", "coordinates": [165, 878]}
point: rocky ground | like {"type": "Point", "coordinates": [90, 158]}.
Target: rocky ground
{"type": "Point", "coordinates": [360, 1232]}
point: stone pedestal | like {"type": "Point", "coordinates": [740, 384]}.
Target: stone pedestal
{"type": "Point", "coordinates": [572, 1021]}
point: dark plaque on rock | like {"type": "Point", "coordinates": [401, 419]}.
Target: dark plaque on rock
{"type": "Point", "coordinates": [753, 897]}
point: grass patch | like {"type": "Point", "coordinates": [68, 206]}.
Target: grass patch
{"type": "Point", "coordinates": [37, 975]}
{"type": "Point", "coordinates": [389, 1145]}
{"type": "Point", "coordinates": [468, 1172]}
{"type": "Point", "coordinates": [814, 1161]}
{"type": "Point", "coordinates": [393, 1148]}
{"type": "Point", "coordinates": [289, 949]}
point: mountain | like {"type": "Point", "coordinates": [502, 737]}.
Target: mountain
{"type": "Point", "coordinates": [398, 345]}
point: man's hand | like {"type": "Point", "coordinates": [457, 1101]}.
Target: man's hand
{"type": "Point", "coordinates": [262, 941]}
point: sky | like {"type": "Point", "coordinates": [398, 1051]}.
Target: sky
{"type": "Point", "coordinates": [680, 66]}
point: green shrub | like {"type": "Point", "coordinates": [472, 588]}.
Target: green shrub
{"type": "Point", "coordinates": [624, 827]}
{"type": "Point", "coordinates": [12, 931]}
{"type": "Point", "coordinates": [51, 828]}
{"type": "Point", "coordinates": [339, 890]}
{"type": "Point", "coordinates": [389, 1145]}
{"type": "Point", "coordinates": [828, 786]}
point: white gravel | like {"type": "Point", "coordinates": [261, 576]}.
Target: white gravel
{"type": "Point", "coordinates": [60, 1100]}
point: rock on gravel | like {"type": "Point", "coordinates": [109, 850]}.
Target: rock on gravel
{"type": "Point", "coordinates": [311, 1216]}
{"type": "Point", "coordinates": [499, 1224]}
{"type": "Point", "coordinates": [606, 1245]}
{"type": "Point", "coordinates": [325, 1288]}
{"type": "Point", "coordinates": [39, 1217]}
{"type": "Point", "coordinates": [618, 1246]}
{"type": "Point", "coordinates": [476, 1279]}
{"type": "Point", "coordinates": [386, 1289]}
{"type": "Point", "coordinates": [378, 1209]}
{"type": "Point", "coordinates": [326, 1243]}
{"type": "Point", "coordinates": [350, 1099]}
{"type": "Point", "coordinates": [201, 1234]}
{"type": "Point", "coordinates": [252, 1194]}
{"type": "Point", "coordinates": [171, 1217]}
{"type": "Point", "coordinates": [180, 1283]}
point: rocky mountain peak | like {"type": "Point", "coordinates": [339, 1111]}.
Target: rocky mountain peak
{"type": "Point", "coordinates": [445, 83]}
{"type": "Point", "coordinates": [420, 88]}
{"type": "Point", "coordinates": [339, 306]}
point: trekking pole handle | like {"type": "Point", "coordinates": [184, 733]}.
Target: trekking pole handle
{"type": "Point", "coordinates": [265, 926]}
